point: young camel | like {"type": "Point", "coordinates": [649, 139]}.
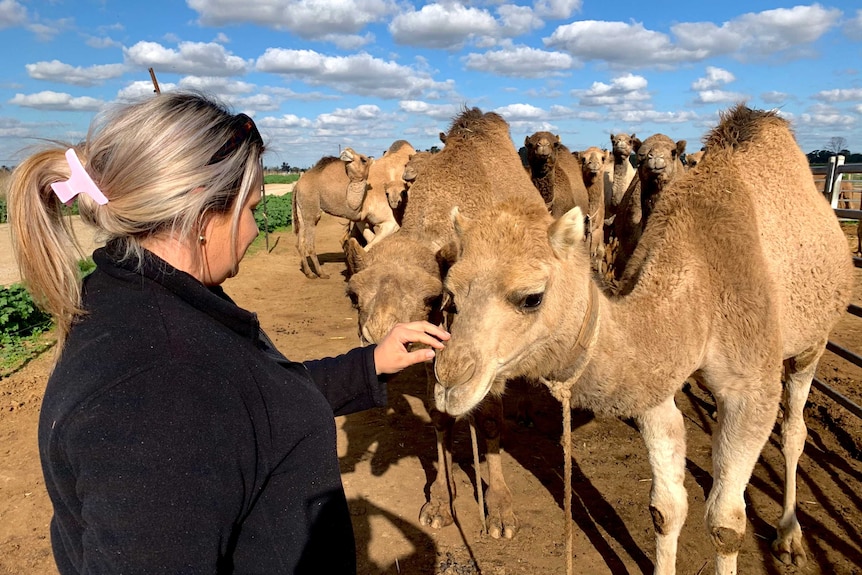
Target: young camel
{"type": "Point", "coordinates": [725, 285]}
{"type": "Point", "coordinates": [556, 174]}
{"type": "Point", "coordinates": [386, 186]}
{"type": "Point", "coordinates": [593, 162]}
{"type": "Point", "coordinates": [659, 164]}
{"type": "Point", "coordinates": [336, 186]}
{"type": "Point", "coordinates": [400, 279]}
{"type": "Point", "coordinates": [622, 147]}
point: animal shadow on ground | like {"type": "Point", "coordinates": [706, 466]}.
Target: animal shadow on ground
{"type": "Point", "coordinates": [423, 558]}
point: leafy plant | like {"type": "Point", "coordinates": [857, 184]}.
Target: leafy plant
{"type": "Point", "coordinates": [19, 315]}
{"type": "Point", "coordinates": [278, 211]}
{"type": "Point", "coordinates": [280, 178]}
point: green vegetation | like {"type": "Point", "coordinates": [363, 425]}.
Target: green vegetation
{"type": "Point", "coordinates": [280, 178]}
{"type": "Point", "coordinates": [278, 211]}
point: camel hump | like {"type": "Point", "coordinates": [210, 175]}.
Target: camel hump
{"type": "Point", "coordinates": [740, 125]}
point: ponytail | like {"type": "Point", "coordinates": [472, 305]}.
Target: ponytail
{"type": "Point", "coordinates": [43, 241]}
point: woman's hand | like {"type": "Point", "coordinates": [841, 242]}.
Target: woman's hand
{"type": "Point", "coordinates": [392, 354]}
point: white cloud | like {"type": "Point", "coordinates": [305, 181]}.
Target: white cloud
{"type": "Point", "coordinates": [521, 112]}
{"type": "Point", "coordinates": [758, 34]}
{"type": "Point", "coordinates": [521, 62]}
{"type": "Point", "coordinates": [827, 119]}
{"type": "Point", "coordinates": [622, 91]}
{"type": "Point", "coordinates": [437, 111]}
{"type": "Point", "coordinates": [557, 9]}
{"type": "Point", "coordinates": [12, 13]}
{"type": "Point", "coordinates": [309, 19]}
{"type": "Point", "coordinates": [853, 27]}
{"type": "Point", "coordinates": [639, 116]}
{"type": "Point", "coordinates": [359, 74]}
{"type": "Point", "coordinates": [751, 35]}
{"type": "Point", "coordinates": [774, 97]}
{"type": "Point", "coordinates": [56, 71]}
{"type": "Point", "coordinates": [719, 97]}
{"type": "Point", "coordinates": [714, 78]}
{"type": "Point", "coordinates": [215, 84]}
{"type": "Point", "coordinates": [142, 89]}
{"type": "Point", "coordinates": [203, 58]}
{"type": "Point", "coordinates": [49, 100]}
{"type": "Point", "coordinates": [102, 42]}
{"type": "Point", "coordinates": [839, 95]}
{"type": "Point", "coordinates": [444, 26]}
{"type": "Point", "coordinates": [516, 20]}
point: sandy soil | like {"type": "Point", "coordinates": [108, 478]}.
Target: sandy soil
{"type": "Point", "coordinates": [387, 457]}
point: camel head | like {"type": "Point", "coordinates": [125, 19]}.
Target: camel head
{"type": "Point", "coordinates": [624, 144]}
{"type": "Point", "coordinates": [408, 176]}
{"type": "Point", "coordinates": [541, 147]}
{"type": "Point", "coordinates": [693, 159]}
{"type": "Point", "coordinates": [511, 301]}
{"type": "Point", "coordinates": [397, 280]}
{"type": "Point", "coordinates": [593, 161]}
{"type": "Point", "coordinates": [660, 159]}
{"type": "Point", "coordinates": [356, 164]}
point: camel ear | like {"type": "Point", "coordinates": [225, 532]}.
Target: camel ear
{"type": "Point", "coordinates": [355, 255]}
{"type": "Point", "coordinates": [346, 155]}
{"type": "Point", "coordinates": [567, 232]}
{"type": "Point", "coordinates": [636, 144]}
{"type": "Point", "coordinates": [459, 222]}
{"type": "Point", "coordinates": [680, 148]}
{"type": "Point", "coordinates": [557, 136]}
{"type": "Point", "coordinates": [443, 137]}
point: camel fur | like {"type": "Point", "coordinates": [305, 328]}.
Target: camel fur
{"type": "Point", "coordinates": [593, 162]}
{"type": "Point", "coordinates": [622, 147]}
{"type": "Point", "coordinates": [333, 185]}
{"type": "Point", "coordinates": [693, 159]}
{"type": "Point", "coordinates": [659, 163]}
{"type": "Point", "coordinates": [380, 215]}
{"type": "Point", "coordinates": [556, 174]}
{"type": "Point", "coordinates": [739, 276]}
{"type": "Point", "coordinates": [400, 279]}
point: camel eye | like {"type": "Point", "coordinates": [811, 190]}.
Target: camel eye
{"type": "Point", "coordinates": [448, 303]}
{"type": "Point", "coordinates": [531, 302]}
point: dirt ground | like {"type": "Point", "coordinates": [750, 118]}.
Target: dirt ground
{"type": "Point", "coordinates": [387, 458]}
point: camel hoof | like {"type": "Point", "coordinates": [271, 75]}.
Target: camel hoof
{"type": "Point", "coordinates": [789, 552]}
{"type": "Point", "coordinates": [435, 516]}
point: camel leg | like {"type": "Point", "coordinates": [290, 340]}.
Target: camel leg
{"type": "Point", "coordinates": [437, 511]}
{"type": "Point", "coordinates": [498, 498]}
{"type": "Point", "coordinates": [663, 432]}
{"type": "Point", "coordinates": [304, 230]}
{"type": "Point", "coordinates": [799, 371]}
{"type": "Point", "coordinates": [381, 231]}
{"type": "Point", "coordinates": [746, 414]}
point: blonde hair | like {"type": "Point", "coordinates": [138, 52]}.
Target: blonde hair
{"type": "Point", "coordinates": [164, 163]}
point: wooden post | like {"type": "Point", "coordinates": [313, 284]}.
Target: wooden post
{"type": "Point", "coordinates": [155, 82]}
{"type": "Point", "coordinates": [832, 188]}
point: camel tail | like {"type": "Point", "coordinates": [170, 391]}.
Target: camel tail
{"type": "Point", "coordinates": [739, 125]}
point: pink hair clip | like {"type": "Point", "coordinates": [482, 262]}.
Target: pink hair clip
{"type": "Point", "coordinates": [79, 182]}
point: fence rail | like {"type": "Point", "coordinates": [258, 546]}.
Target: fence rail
{"type": "Point", "coordinates": [832, 189]}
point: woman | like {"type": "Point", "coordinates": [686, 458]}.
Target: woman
{"type": "Point", "coordinates": [174, 437]}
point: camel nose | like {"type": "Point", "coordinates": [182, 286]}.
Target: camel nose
{"type": "Point", "coordinates": [452, 372]}
{"type": "Point", "coordinates": [656, 163]}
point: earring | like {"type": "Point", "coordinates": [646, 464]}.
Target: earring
{"type": "Point", "coordinates": [202, 239]}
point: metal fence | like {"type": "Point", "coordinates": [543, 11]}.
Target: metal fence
{"type": "Point", "coordinates": [832, 188]}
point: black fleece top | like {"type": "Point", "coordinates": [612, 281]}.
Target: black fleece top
{"type": "Point", "coordinates": [175, 438]}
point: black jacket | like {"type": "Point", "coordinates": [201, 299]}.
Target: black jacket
{"type": "Point", "coordinates": [174, 438]}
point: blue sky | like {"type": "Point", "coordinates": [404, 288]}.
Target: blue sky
{"type": "Point", "coordinates": [320, 75]}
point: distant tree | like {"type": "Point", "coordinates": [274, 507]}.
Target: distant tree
{"type": "Point", "coordinates": [837, 144]}
{"type": "Point", "coordinates": [433, 149]}
{"type": "Point", "coordinates": [285, 167]}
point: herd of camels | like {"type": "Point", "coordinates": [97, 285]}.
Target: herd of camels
{"type": "Point", "coordinates": [610, 284]}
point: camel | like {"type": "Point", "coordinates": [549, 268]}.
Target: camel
{"type": "Point", "coordinates": [400, 279]}
{"type": "Point", "coordinates": [622, 147]}
{"type": "Point", "coordinates": [693, 159]}
{"type": "Point", "coordinates": [556, 174]}
{"type": "Point", "coordinates": [386, 186]}
{"type": "Point", "coordinates": [725, 285]}
{"type": "Point", "coordinates": [336, 186]}
{"type": "Point", "coordinates": [593, 162]}
{"type": "Point", "coordinates": [659, 164]}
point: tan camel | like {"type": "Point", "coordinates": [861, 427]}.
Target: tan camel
{"type": "Point", "coordinates": [593, 162]}
{"type": "Point", "coordinates": [693, 159]}
{"type": "Point", "coordinates": [386, 186]}
{"type": "Point", "coordinates": [725, 285]}
{"type": "Point", "coordinates": [622, 147]}
{"type": "Point", "coordinates": [336, 186]}
{"type": "Point", "coordinates": [659, 164]}
{"type": "Point", "coordinates": [556, 174]}
{"type": "Point", "coordinates": [399, 279]}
